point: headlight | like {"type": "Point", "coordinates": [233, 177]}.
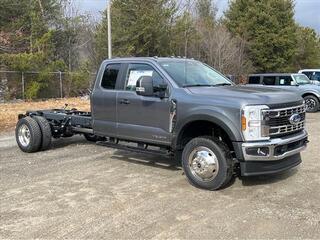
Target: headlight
{"type": "Point", "coordinates": [252, 123]}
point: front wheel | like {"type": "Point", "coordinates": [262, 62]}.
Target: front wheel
{"type": "Point", "coordinates": [312, 103]}
{"type": "Point", "coordinates": [207, 163]}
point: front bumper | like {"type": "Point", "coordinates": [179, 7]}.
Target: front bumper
{"type": "Point", "coordinates": [273, 156]}
{"type": "Point", "coordinates": [253, 168]}
{"type": "Point", "coordinates": [275, 149]}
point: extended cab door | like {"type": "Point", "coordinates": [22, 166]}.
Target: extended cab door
{"type": "Point", "coordinates": [103, 99]}
{"type": "Point", "coordinates": [143, 118]}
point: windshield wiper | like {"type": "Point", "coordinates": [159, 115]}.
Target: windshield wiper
{"type": "Point", "coordinates": [223, 84]}
{"type": "Point", "coordinates": [198, 85]}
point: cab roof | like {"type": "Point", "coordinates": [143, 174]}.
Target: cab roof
{"type": "Point", "coordinates": [155, 59]}
{"type": "Point", "coordinates": [273, 74]}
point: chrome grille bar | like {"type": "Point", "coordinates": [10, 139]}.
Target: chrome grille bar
{"type": "Point", "coordinates": [282, 112]}
{"type": "Point", "coordinates": [286, 129]}
{"type": "Point", "coordinates": [278, 120]}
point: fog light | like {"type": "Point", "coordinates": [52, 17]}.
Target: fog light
{"type": "Point", "coordinates": [280, 150]}
{"type": "Point", "coordinates": [258, 151]}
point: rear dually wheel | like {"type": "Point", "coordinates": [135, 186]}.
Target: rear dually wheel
{"type": "Point", "coordinates": [28, 135]}
{"type": "Point", "coordinates": [45, 128]}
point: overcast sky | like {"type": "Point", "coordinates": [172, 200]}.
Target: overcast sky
{"type": "Point", "coordinates": [307, 12]}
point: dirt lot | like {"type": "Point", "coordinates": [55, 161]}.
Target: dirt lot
{"type": "Point", "coordinates": [81, 190]}
{"type": "Point", "coordinates": [10, 111]}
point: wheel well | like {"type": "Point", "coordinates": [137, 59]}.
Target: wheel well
{"type": "Point", "coordinates": [202, 128]}
{"type": "Point", "coordinates": [310, 94]}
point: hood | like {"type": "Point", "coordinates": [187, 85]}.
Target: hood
{"type": "Point", "coordinates": [315, 82]}
{"type": "Point", "coordinates": [247, 94]}
{"type": "Point", "coordinates": [314, 87]}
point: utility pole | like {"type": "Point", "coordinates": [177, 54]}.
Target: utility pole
{"type": "Point", "coordinates": [186, 32]}
{"type": "Point", "coordinates": [109, 28]}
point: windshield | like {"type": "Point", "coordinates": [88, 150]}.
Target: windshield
{"type": "Point", "coordinates": [192, 73]}
{"type": "Point", "coordinates": [301, 79]}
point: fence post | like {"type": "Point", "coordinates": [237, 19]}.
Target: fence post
{"type": "Point", "coordinates": [22, 83]}
{"type": "Point", "coordinates": [60, 79]}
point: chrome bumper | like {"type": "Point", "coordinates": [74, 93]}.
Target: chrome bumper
{"type": "Point", "coordinates": [299, 139]}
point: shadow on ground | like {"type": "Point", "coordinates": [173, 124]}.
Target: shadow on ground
{"type": "Point", "coordinates": [169, 163]}
{"type": "Point", "coordinates": [268, 179]}
{"type": "Point", "coordinates": [64, 142]}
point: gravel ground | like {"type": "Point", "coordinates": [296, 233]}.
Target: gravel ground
{"type": "Point", "coordinates": [81, 190]}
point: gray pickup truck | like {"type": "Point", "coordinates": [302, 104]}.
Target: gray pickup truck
{"type": "Point", "coordinates": [184, 109]}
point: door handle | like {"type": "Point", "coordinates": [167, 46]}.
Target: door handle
{"type": "Point", "coordinates": [124, 101]}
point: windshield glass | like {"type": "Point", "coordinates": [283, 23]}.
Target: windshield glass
{"type": "Point", "coordinates": [301, 79]}
{"type": "Point", "coordinates": [193, 73]}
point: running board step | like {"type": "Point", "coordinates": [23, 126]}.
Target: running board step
{"type": "Point", "coordinates": [135, 149]}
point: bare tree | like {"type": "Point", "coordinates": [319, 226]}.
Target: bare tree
{"type": "Point", "coordinates": [223, 51]}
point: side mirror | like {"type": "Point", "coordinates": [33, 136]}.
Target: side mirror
{"type": "Point", "coordinates": [293, 83]}
{"type": "Point", "coordinates": [144, 86]}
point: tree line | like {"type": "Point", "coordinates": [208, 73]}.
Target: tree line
{"type": "Point", "coordinates": [251, 36]}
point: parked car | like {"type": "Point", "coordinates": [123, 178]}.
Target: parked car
{"type": "Point", "coordinates": [312, 74]}
{"type": "Point", "coordinates": [295, 82]}
{"type": "Point", "coordinates": [186, 109]}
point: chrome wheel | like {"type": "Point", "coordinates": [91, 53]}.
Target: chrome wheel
{"type": "Point", "coordinates": [203, 164]}
{"type": "Point", "coordinates": [24, 135]}
{"type": "Point", "coordinates": [310, 104]}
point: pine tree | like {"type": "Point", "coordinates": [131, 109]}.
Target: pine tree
{"type": "Point", "coordinates": [308, 51]}
{"type": "Point", "coordinates": [36, 36]}
{"type": "Point", "coordinates": [139, 28]}
{"type": "Point", "coordinates": [206, 12]}
{"type": "Point", "coordinates": [269, 28]}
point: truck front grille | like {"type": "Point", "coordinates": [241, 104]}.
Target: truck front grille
{"type": "Point", "coordinates": [278, 120]}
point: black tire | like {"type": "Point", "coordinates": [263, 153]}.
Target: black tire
{"type": "Point", "coordinates": [312, 103]}
{"type": "Point", "coordinates": [46, 132]}
{"type": "Point", "coordinates": [93, 138]}
{"type": "Point", "coordinates": [224, 171]}
{"type": "Point", "coordinates": [28, 128]}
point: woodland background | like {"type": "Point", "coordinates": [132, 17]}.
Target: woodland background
{"type": "Point", "coordinates": [46, 36]}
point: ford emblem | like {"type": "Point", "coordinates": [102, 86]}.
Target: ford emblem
{"type": "Point", "coordinates": [295, 119]}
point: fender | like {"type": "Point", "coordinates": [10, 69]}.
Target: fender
{"type": "Point", "coordinates": [211, 116]}
{"type": "Point", "coordinates": [311, 92]}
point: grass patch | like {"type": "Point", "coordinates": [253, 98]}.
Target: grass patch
{"type": "Point", "coordinates": [9, 111]}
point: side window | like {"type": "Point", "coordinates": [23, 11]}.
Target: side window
{"type": "Point", "coordinates": [269, 80]}
{"type": "Point", "coordinates": [110, 76]}
{"type": "Point", "coordinates": [285, 80]}
{"type": "Point", "coordinates": [137, 70]}
{"type": "Point", "coordinates": [315, 76]}
{"type": "Point", "coordinates": [308, 74]}
{"type": "Point", "coordinates": [254, 80]}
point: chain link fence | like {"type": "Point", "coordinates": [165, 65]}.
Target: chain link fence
{"type": "Point", "coordinates": [16, 85]}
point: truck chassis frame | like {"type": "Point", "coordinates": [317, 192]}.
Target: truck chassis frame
{"type": "Point", "coordinates": [66, 123]}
